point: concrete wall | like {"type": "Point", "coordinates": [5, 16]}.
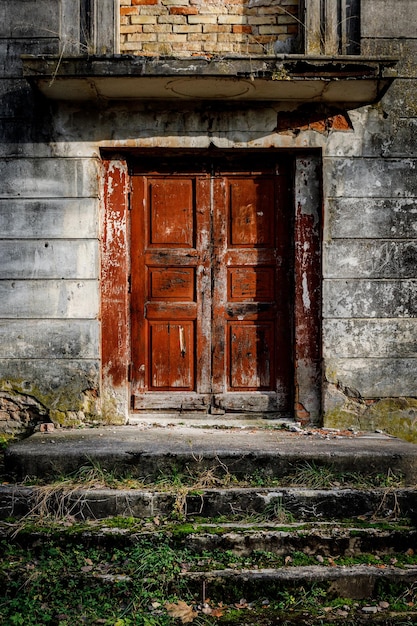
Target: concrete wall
{"type": "Point", "coordinates": [370, 258]}
{"type": "Point", "coordinates": [50, 228]}
{"type": "Point", "coordinates": [49, 256]}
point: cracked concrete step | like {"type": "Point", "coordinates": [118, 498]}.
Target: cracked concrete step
{"type": "Point", "coordinates": [294, 503]}
{"type": "Point", "coordinates": [346, 542]}
{"type": "Point", "coordinates": [241, 539]}
{"type": "Point", "coordinates": [358, 581]}
{"type": "Point", "coordinates": [147, 451]}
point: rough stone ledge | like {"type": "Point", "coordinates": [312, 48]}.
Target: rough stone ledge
{"type": "Point", "coordinates": [355, 582]}
{"type": "Point", "coordinates": [243, 540]}
{"type": "Point", "coordinates": [301, 504]}
{"type": "Point", "coordinates": [131, 65]}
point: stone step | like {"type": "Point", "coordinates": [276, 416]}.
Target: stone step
{"type": "Point", "coordinates": [262, 596]}
{"type": "Point", "coordinates": [310, 542]}
{"type": "Point", "coordinates": [149, 451]}
{"type": "Point", "coordinates": [243, 540]}
{"type": "Point", "coordinates": [271, 542]}
{"type": "Point", "coordinates": [357, 582]}
{"type": "Point", "coordinates": [284, 504]}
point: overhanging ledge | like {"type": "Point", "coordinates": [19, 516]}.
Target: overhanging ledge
{"type": "Point", "coordinates": [349, 81]}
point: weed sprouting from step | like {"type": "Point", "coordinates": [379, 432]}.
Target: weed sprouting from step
{"type": "Point", "coordinates": [189, 492]}
{"type": "Point", "coordinates": [276, 511]}
{"type": "Point", "coordinates": [311, 475]}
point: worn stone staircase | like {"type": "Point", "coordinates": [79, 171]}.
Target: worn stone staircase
{"type": "Point", "coordinates": [265, 525]}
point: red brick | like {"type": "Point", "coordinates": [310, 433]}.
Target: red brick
{"type": "Point", "coordinates": [144, 1]}
{"type": "Point", "coordinates": [292, 29]}
{"type": "Point", "coordinates": [128, 11]}
{"type": "Point", "coordinates": [241, 28]}
{"type": "Point", "coordinates": [183, 10]}
{"type": "Point", "coordinates": [302, 415]}
{"type": "Point", "coordinates": [340, 122]}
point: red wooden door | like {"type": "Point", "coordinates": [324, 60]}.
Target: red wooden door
{"type": "Point", "coordinates": [211, 303]}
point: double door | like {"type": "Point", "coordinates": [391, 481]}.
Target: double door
{"type": "Point", "coordinates": [211, 286]}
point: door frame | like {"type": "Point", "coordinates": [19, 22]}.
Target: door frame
{"type": "Point", "coordinates": [115, 278]}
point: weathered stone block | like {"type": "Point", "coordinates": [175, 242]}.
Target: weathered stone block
{"type": "Point", "coordinates": [372, 218]}
{"type": "Point", "coordinates": [374, 378]}
{"type": "Point", "coordinates": [59, 385]}
{"type": "Point", "coordinates": [37, 299]}
{"type": "Point", "coordinates": [370, 338]}
{"type": "Point", "coordinates": [49, 218]}
{"type": "Point", "coordinates": [364, 258]}
{"type": "Point", "coordinates": [380, 18]}
{"type": "Point", "coordinates": [367, 178]}
{"type": "Point", "coordinates": [16, 19]}
{"type": "Point", "coordinates": [346, 298]}
{"type": "Point", "coordinates": [396, 416]}
{"type": "Point", "coordinates": [57, 258]}
{"type": "Point", "coordinates": [50, 339]}
{"type": "Point", "coordinates": [49, 178]}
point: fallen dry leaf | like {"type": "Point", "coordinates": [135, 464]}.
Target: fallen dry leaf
{"type": "Point", "coordinates": [181, 610]}
{"type": "Point", "coordinates": [242, 604]}
{"type": "Point", "coordinates": [217, 612]}
{"type": "Point", "coordinates": [287, 560]}
{"type": "Point", "coordinates": [86, 568]}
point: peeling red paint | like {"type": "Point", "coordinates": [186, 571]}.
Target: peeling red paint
{"type": "Point", "coordinates": [307, 296]}
{"type": "Point", "coordinates": [114, 273]}
{"type": "Point", "coordinates": [307, 286]}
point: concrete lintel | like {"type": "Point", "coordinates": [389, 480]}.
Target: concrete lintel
{"type": "Point", "coordinates": [346, 81]}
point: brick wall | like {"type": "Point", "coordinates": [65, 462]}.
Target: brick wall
{"type": "Point", "coordinates": [195, 27]}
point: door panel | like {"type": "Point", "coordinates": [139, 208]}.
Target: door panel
{"type": "Point", "coordinates": [171, 206]}
{"type": "Point", "coordinates": [171, 355]}
{"type": "Point", "coordinates": [251, 356]}
{"type": "Point", "coordinates": [211, 291]}
{"type": "Point", "coordinates": [252, 365]}
{"type": "Point", "coordinates": [251, 212]}
{"type": "Point", "coordinates": [170, 318]}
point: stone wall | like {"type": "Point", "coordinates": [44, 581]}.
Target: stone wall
{"type": "Point", "coordinates": [195, 27]}
{"type": "Point", "coordinates": [370, 261]}
{"type": "Point", "coordinates": [49, 253]}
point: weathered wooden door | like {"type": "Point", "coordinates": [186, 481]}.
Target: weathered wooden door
{"type": "Point", "coordinates": [211, 288]}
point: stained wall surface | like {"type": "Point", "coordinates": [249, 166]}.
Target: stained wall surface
{"type": "Point", "coordinates": [51, 209]}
